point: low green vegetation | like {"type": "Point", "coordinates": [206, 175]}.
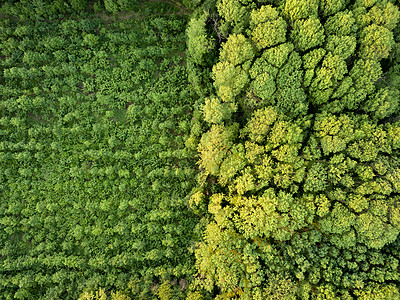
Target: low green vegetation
{"type": "Point", "coordinates": [216, 149]}
{"type": "Point", "coordinates": [94, 175]}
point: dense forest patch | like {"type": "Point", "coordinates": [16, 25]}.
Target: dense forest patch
{"type": "Point", "coordinates": [299, 149]}
{"type": "Point", "coordinates": [94, 114]}
{"type": "Point", "coordinates": [199, 149]}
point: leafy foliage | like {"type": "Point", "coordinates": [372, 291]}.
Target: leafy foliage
{"type": "Point", "coordinates": [93, 169]}
{"type": "Point", "coordinates": [303, 196]}
{"type": "Point", "coordinates": [290, 107]}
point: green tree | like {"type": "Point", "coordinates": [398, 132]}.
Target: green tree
{"type": "Point", "coordinates": [198, 42]}
{"type": "Point", "coordinates": [267, 27]}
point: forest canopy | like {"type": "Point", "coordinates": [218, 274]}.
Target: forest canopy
{"type": "Point", "coordinates": [298, 156]}
{"type": "Point", "coordinates": [200, 149]}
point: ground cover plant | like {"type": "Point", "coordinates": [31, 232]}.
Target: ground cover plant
{"type": "Point", "coordinates": [95, 109]}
